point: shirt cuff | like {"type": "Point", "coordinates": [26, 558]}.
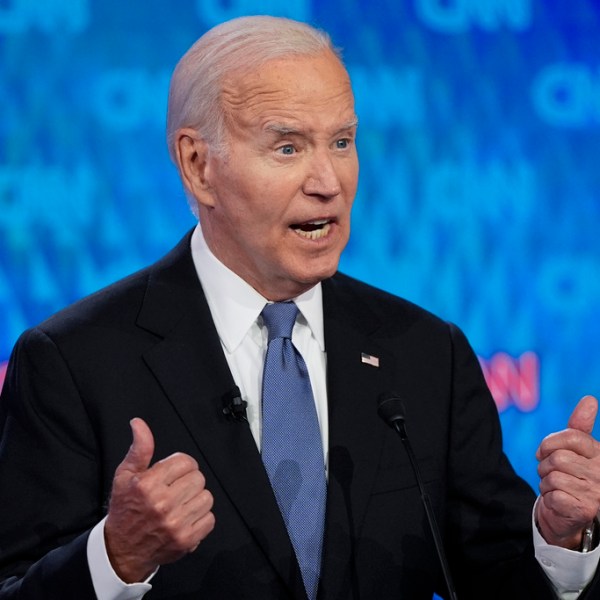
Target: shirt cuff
{"type": "Point", "coordinates": [568, 570]}
{"type": "Point", "coordinates": [107, 584]}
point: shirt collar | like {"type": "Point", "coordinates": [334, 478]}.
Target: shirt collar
{"type": "Point", "coordinates": [235, 305]}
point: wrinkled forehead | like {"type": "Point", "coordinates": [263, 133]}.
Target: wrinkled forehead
{"type": "Point", "coordinates": [291, 83]}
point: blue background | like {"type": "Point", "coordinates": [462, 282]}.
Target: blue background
{"type": "Point", "coordinates": [479, 194]}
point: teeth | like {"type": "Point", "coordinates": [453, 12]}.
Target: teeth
{"type": "Point", "coordinates": [315, 234]}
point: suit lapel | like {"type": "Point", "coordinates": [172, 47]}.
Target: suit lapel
{"type": "Point", "coordinates": [191, 368]}
{"type": "Point", "coordinates": [355, 440]}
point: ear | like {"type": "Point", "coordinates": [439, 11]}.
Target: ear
{"type": "Point", "coordinates": [191, 155]}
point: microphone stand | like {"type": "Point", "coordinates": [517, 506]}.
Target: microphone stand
{"type": "Point", "coordinates": [391, 410]}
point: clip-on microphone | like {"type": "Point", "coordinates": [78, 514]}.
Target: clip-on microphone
{"type": "Point", "coordinates": [234, 408]}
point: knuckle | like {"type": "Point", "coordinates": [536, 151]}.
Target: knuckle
{"type": "Point", "coordinates": [558, 459]}
{"type": "Point", "coordinates": [186, 460]}
{"type": "Point", "coordinates": [211, 521]}
{"type": "Point", "coordinates": [181, 540]}
{"type": "Point", "coordinates": [554, 479]}
{"type": "Point", "coordinates": [142, 485]}
{"type": "Point", "coordinates": [181, 460]}
{"type": "Point", "coordinates": [204, 526]}
{"type": "Point", "coordinates": [552, 500]}
{"type": "Point", "coordinates": [571, 436]}
{"type": "Point", "coordinates": [161, 510]}
{"type": "Point", "coordinates": [172, 524]}
{"type": "Point", "coordinates": [577, 439]}
{"type": "Point", "coordinates": [207, 499]}
{"type": "Point", "coordinates": [548, 444]}
{"type": "Point", "coordinates": [196, 480]}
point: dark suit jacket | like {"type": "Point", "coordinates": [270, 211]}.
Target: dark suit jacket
{"type": "Point", "coordinates": [147, 347]}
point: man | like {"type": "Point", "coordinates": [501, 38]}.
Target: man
{"type": "Point", "coordinates": [262, 129]}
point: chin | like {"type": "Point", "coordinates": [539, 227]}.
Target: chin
{"type": "Point", "coordinates": [318, 274]}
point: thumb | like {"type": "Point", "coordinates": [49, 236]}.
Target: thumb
{"type": "Point", "coordinates": [584, 415]}
{"type": "Point", "coordinates": [140, 452]}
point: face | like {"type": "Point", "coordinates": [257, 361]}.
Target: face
{"type": "Point", "coordinates": [275, 208]}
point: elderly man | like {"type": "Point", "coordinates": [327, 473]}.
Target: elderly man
{"type": "Point", "coordinates": [290, 486]}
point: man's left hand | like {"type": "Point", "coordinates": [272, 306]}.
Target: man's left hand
{"type": "Point", "coordinates": [570, 479]}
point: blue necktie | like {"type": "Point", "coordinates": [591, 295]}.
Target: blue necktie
{"type": "Point", "coordinates": [292, 449]}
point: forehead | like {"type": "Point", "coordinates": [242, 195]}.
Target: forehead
{"type": "Point", "coordinates": [291, 88]}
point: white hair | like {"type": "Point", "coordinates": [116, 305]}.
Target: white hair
{"type": "Point", "coordinates": [239, 45]}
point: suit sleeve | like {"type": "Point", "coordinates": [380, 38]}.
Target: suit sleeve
{"type": "Point", "coordinates": [489, 507]}
{"type": "Point", "coordinates": [49, 480]}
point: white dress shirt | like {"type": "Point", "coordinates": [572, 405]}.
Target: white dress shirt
{"type": "Point", "coordinates": [235, 308]}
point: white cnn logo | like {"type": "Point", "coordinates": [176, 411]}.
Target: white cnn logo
{"type": "Point", "coordinates": [459, 16]}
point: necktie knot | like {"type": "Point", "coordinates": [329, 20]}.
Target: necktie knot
{"type": "Point", "coordinates": [279, 318]}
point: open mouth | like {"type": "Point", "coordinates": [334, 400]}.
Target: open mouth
{"type": "Point", "coordinates": [313, 230]}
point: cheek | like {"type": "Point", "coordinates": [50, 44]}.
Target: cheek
{"type": "Point", "coordinates": [351, 180]}
{"type": "Point", "coordinates": [258, 200]}
{"type": "Point", "coordinates": [236, 201]}
{"type": "Point", "coordinates": [256, 219]}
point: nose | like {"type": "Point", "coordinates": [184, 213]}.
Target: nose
{"type": "Point", "coordinates": [322, 179]}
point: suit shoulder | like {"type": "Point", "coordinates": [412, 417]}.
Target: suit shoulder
{"type": "Point", "coordinates": [115, 301]}
{"type": "Point", "coordinates": [120, 301]}
{"type": "Point", "coordinates": [382, 304]}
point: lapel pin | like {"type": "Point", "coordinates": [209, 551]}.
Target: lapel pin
{"type": "Point", "coordinates": [369, 359]}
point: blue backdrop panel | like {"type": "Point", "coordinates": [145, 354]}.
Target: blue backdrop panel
{"type": "Point", "coordinates": [479, 194]}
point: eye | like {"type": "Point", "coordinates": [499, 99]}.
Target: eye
{"type": "Point", "coordinates": [342, 144]}
{"type": "Point", "coordinates": [287, 149]}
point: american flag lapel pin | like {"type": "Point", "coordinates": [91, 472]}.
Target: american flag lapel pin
{"type": "Point", "coordinates": [369, 359]}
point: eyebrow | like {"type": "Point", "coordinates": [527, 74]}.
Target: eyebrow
{"type": "Point", "coordinates": [283, 130]}
{"type": "Point", "coordinates": [349, 125]}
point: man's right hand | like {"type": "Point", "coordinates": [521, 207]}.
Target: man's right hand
{"type": "Point", "coordinates": [156, 514]}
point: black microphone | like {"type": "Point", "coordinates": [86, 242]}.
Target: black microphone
{"type": "Point", "coordinates": [234, 408]}
{"type": "Point", "coordinates": [391, 409]}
